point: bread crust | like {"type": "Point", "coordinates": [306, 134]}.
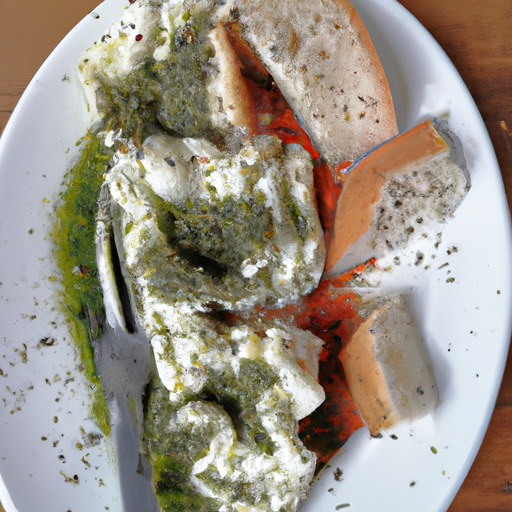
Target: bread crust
{"type": "Point", "coordinates": [230, 85]}
{"type": "Point", "coordinates": [387, 368]}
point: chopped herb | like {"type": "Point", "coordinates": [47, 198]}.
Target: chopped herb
{"type": "Point", "coordinates": [47, 342]}
{"type": "Point", "coordinates": [338, 473]}
{"type": "Point", "coordinates": [419, 258]}
{"type": "Point", "coordinates": [333, 326]}
{"type": "Point", "coordinates": [72, 480]}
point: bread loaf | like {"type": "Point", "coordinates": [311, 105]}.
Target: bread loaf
{"type": "Point", "coordinates": [321, 57]}
{"type": "Point", "coordinates": [388, 371]}
{"type": "Point", "coordinates": [395, 193]}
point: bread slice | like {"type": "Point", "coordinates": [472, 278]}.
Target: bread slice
{"type": "Point", "coordinates": [396, 193]}
{"type": "Point", "coordinates": [321, 57]}
{"type": "Point", "coordinates": [229, 98]}
{"type": "Point", "coordinates": [387, 368]}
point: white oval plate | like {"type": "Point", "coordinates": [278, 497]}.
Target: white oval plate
{"type": "Point", "coordinates": [50, 459]}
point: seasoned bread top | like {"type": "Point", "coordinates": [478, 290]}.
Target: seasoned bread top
{"type": "Point", "coordinates": [324, 62]}
{"type": "Point", "coordinates": [398, 192]}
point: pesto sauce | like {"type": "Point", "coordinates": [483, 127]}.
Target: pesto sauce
{"type": "Point", "coordinates": [215, 237]}
{"type": "Point", "coordinates": [225, 231]}
{"type": "Point", "coordinates": [173, 453]}
{"type": "Point", "coordinates": [171, 91]}
{"type": "Point", "coordinates": [299, 220]}
{"type": "Point", "coordinates": [172, 456]}
{"type": "Point", "coordinates": [75, 252]}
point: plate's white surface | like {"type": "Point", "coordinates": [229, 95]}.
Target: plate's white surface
{"type": "Point", "coordinates": [44, 421]}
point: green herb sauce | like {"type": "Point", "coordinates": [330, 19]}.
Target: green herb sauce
{"type": "Point", "coordinates": [172, 456]}
{"type": "Point", "coordinates": [171, 92]}
{"type": "Point", "coordinates": [173, 452]}
{"type": "Point", "coordinates": [75, 253]}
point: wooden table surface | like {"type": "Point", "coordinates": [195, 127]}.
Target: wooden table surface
{"type": "Point", "coordinates": [474, 34]}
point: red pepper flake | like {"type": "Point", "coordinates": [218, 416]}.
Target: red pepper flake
{"type": "Point", "coordinates": [319, 430]}
{"type": "Point", "coordinates": [138, 37]}
{"type": "Point", "coordinates": [83, 270]}
{"type": "Point", "coordinates": [132, 1]}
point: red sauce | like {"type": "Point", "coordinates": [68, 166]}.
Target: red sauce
{"type": "Point", "coordinates": [330, 312]}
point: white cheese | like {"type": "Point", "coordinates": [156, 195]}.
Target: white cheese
{"type": "Point", "coordinates": [120, 51]}
{"type": "Point", "coordinates": [193, 347]}
{"type": "Point", "coordinates": [253, 214]}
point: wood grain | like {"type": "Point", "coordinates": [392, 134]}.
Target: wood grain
{"type": "Point", "coordinates": [476, 37]}
{"type": "Point", "coordinates": [474, 34]}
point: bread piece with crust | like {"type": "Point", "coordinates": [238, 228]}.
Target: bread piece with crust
{"type": "Point", "coordinates": [228, 94]}
{"type": "Point", "coordinates": [395, 193]}
{"type": "Point", "coordinates": [388, 370]}
{"type": "Point", "coordinates": [324, 62]}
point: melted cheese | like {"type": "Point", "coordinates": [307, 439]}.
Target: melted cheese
{"type": "Point", "coordinates": [249, 218]}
